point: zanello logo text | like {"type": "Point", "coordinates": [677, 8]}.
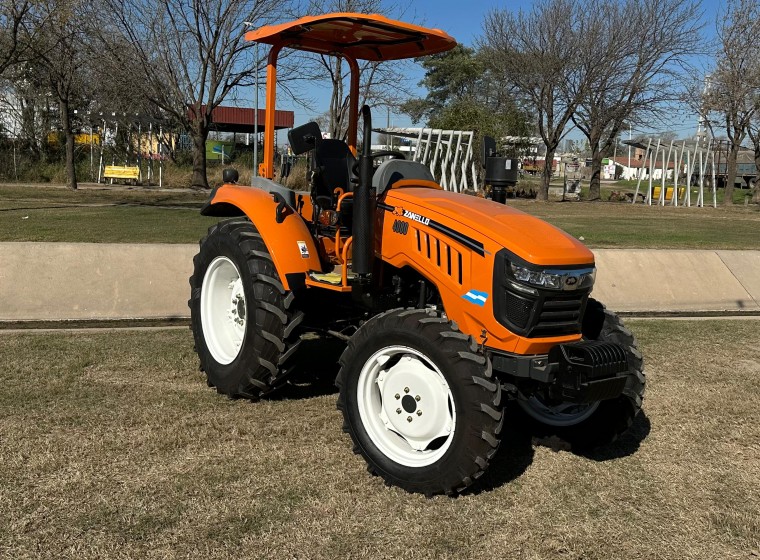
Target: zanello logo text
{"type": "Point", "coordinates": [416, 217]}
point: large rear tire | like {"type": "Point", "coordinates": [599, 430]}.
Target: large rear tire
{"type": "Point", "coordinates": [243, 320]}
{"type": "Point", "coordinates": [589, 426]}
{"type": "Point", "coordinates": [419, 402]}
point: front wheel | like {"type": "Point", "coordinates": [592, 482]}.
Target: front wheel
{"type": "Point", "coordinates": [585, 427]}
{"type": "Point", "coordinates": [419, 402]}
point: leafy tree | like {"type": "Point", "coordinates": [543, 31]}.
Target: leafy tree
{"type": "Point", "coordinates": [464, 95]}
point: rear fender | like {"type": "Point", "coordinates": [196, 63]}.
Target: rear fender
{"type": "Point", "coordinates": [290, 244]}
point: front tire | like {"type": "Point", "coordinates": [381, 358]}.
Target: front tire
{"type": "Point", "coordinates": [589, 426]}
{"type": "Point", "coordinates": [419, 402]}
{"type": "Point", "coordinates": [243, 320]}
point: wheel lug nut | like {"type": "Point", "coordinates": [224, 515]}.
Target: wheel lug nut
{"type": "Point", "coordinates": [398, 411]}
{"type": "Point", "coordinates": [417, 398]}
{"type": "Point", "coordinates": [406, 389]}
{"type": "Point", "coordinates": [419, 413]}
{"type": "Point", "coordinates": [408, 418]}
{"type": "Point", "coordinates": [398, 396]}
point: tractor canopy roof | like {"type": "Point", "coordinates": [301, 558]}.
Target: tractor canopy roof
{"type": "Point", "coordinates": [360, 36]}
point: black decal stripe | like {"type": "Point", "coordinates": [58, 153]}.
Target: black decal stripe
{"type": "Point", "coordinates": [465, 240]}
{"type": "Point", "coordinates": [468, 242]}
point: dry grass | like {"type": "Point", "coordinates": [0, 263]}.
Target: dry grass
{"type": "Point", "coordinates": [112, 446]}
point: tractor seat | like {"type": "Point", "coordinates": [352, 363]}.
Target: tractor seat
{"type": "Point", "coordinates": [397, 169]}
{"type": "Point", "coordinates": [333, 163]}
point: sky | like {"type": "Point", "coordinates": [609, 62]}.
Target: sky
{"type": "Point", "coordinates": [463, 19]}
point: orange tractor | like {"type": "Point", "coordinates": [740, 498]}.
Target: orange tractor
{"type": "Point", "coordinates": [452, 309]}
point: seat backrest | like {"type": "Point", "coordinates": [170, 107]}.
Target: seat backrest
{"type": "Point", "coordinates": [304, 138]}
{"type": "Point", "coordinates": [333, 163]}
{"type": "Point", "coordinates": [396, 169]}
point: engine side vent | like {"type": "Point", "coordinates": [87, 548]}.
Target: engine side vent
{"type": "Point", "coordinates": [441, 255]}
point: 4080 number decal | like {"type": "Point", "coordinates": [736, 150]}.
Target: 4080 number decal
{"type": "Point", "coordinates": [400, 226]}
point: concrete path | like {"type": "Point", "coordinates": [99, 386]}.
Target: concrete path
{"type": "Point", "coordinates": [678, 280]}
{"type": "Point", "coordinates": [101, 281]}
{"type": "Point", "coordinates": [75, 281]}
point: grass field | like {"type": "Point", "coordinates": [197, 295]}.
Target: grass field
{"type": "Point", "coordinates": [101, 215]}
{"type": "Point", "coordinates": [112, 446]}
{"type": "Point", "coordinates": [144, 216]}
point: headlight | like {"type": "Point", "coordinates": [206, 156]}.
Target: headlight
{"type": "Point", "coordinates": [555, 279]}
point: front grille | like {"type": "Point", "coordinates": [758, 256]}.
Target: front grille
{"type": "Point", "coordinates": [559, 314]}
{"type": "Point", "coordinates": [544, 314]}
{"type": "Point", "coordinates": [518, 309]}
{"type": "Point", "coordinates": [548, 314]}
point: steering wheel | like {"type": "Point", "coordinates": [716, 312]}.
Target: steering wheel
{"type": "Point", "coordinates": [392, 153]}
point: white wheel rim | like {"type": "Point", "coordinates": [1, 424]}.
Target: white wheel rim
{"type": "Point", "coordinates": [421, 433]}
{"type": "Point", "coordinates": [223, 310]}
{"type": "Point", "coordinates": [563, 414]}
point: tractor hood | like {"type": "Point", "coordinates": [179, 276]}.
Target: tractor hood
{"type": "Point", "coordinates": [528, 237]}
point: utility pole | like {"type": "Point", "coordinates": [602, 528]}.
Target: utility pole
{"type": "Point", "coordinates": [256, 118]}
{"type": "Point", "coordinates": [255, 172]}
{"type": "Point", "coordinates": [388, 137]}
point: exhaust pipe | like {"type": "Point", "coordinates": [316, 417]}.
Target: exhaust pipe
{"type": "Point", "coordinates": [364, 207]}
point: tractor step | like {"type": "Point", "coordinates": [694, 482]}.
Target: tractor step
{"type": "Point", "coordinates": [330, 280]}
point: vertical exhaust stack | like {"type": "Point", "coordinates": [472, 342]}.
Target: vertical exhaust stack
{"type": "Point", "coordinates": [364, 206]}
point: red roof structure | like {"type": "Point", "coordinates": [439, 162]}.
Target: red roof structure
{"type": "Point", "coordinates": [236, 119]}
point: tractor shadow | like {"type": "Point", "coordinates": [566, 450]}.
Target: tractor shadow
{"type": "Point", "coordinates": [627, 444]}
{"type": "Point", "coordinates": [512, 459]}
{"type": "Point", "coordinates": [518, 445]}
{"type": "Point", "coordinates": [314, 374]}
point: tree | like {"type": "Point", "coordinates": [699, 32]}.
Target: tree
{"type": "Point", "coordinates": [732, 88]}
{"type": "Point", "coordinates": [637, 48]}
{"type": "Point", "coordinates": [56, 45]}
{"type": "Point", "coordinates": [14, 15]}
{"type": "Point", "coordinates": [753, 131]}
{"type": "Point", "coordinates": [463, 95]}
{"type": "Point", "coordinates": [188, 56]}
{"type": "Point", "coordinates": [541, 54]}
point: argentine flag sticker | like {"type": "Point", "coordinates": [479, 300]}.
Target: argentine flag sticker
{"type": "Point", "coordinates": [476, 297]}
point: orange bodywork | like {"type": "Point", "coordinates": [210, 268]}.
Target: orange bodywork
{"type": "Point", "coordinates": [284, 240]}
{"type": "Point", "coordinates": [436, 253]}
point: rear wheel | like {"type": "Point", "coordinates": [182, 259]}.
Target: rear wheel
{"type": "Point", "coordinates": [419, 402]}
{"type": "Point", "coordinates": [243, 320]}
{"type": "Point", "coordinates": [588, 426]}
